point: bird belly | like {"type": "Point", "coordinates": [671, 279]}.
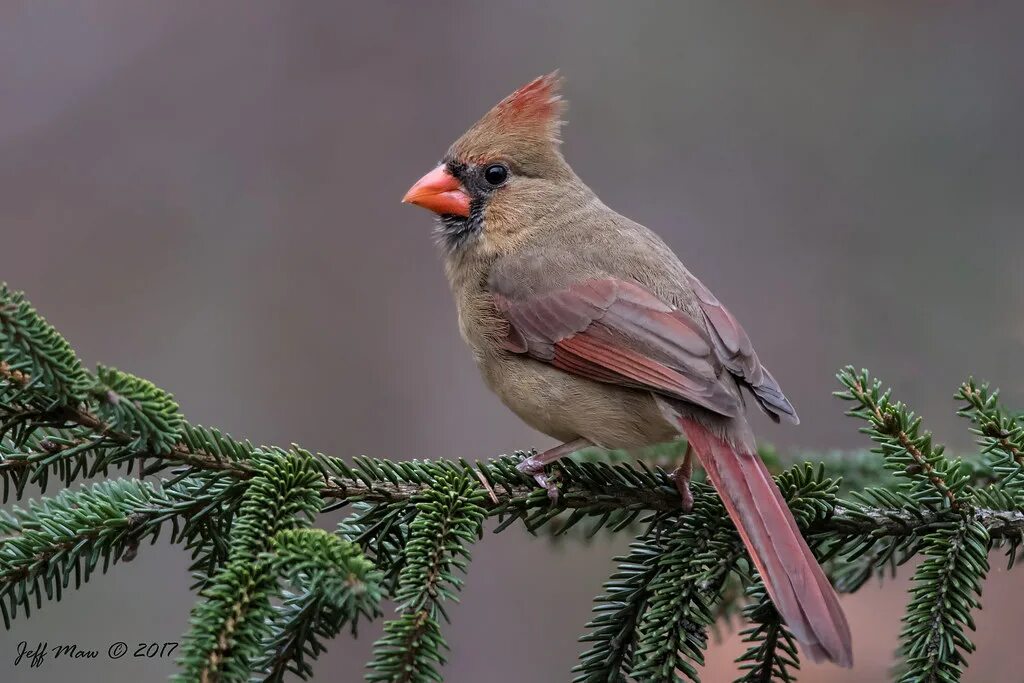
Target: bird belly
{"type": "Point", "coordinates": [568, 407]}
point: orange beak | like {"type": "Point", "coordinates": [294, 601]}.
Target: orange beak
{"type": "Point", "coordinates": [439, 191]}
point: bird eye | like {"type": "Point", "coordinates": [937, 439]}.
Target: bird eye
{"type": "Point", "coordinates": [495, 174]}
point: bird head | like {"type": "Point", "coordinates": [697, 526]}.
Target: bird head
{"type": "Point", "coordinates": [501, 173]}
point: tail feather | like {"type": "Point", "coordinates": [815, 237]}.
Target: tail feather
{"type": "Point", "coordinates": [794, 579]}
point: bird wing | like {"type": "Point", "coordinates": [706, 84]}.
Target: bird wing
{"type": "Point", "coordinates": [733, 348]}
{"type": "Point", "coordinates": [616, 331]}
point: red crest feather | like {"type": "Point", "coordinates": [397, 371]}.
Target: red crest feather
{"type": "Point", "coordinates": [537, 102]}
{"type": "Point", "coordinates": [524, 124]}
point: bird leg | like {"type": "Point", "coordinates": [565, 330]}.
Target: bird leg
{"type": "Point", "coordinates": [536, 464]}
{"type": "Point", "coordinates": [681, 476]}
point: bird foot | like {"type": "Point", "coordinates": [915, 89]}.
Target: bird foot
{"type": "Point", "coordinates": [683, 486]}
{"type": "Point", "coordinates": [536, 467]}
{"type": "Point", "coordinates": [535, 464]}
{"type": "Point", "coordinates": [681, 476]}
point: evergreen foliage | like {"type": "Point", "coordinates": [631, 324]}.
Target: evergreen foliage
{"type": "Point", "coordinates": [448, 519]}
{"type": "Point", "coordinates": [336, 586]}
{"type": "Point", "coordinates": [772, 654]}
{"type": "Point", "coordinates": [132, 405]}
{"type": "Point", "coordinates": [273, 589]}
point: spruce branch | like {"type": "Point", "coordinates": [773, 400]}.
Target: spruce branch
{"type": "Point", "coordinates": [132, 405]}
{"type": "Point", "coordinates": [66, 430]}
{"type": "Point", "coordinates": [337, 586]}
{"type": "Point", "coordinates": [1000, 435]}
{"type": "Point", "coordinates": [772, 654]}
{"type": "Point", "coordinates": [46, 452]}
{"type": "Point", "coordinates": [933, 642]}
{"type": "Point", "coordinates": [613, 495]}
{"type": "Point", "coordinates": [691, 571]}
{"type": "Point", "coordinates": [606, 493]}
{"type": "Point", "coordinates": [56, 540]}
{"type": "Point", "coordinates": [934, 639]}
{"type": "Point", "coordinates": [229, 627]}
{"type": "Point", "coordinates": [936, 480]}
{"type": "Point", "coordinates": [449, 519]}
{"type": "Point", "coordinates": [37, 362]}
{"type": "Point", "coordinates": [617, 612]}
{"type": "Point", "coordinates": [382, 532]}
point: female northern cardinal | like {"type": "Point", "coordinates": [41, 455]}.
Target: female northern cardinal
{"type": "Point", "coordinates": [590, 329]}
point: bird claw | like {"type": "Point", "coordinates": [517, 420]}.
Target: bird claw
{"type": "Point", "coordinates": [681, 476]}
{"type": "Point", "coordinates": [683, 486]}
{"type": "Point", "coordinates": [548, 483]}
{"type": "Point", "coordinates": [536, 468]}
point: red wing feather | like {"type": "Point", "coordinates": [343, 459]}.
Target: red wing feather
{"type": "Point", "coordinates": [617, 363]}
{"type": "Point", "coordinates": [616, 332]}
{"type": "Point", "coordinates": [733, 348]}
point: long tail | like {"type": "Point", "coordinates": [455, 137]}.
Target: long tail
{"type": "Point", "coordinates": [795, 581]}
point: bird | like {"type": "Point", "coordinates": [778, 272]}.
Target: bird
{"type": "Point", "coordinates": [592, 331]}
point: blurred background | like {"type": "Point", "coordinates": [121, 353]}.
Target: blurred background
{"type": "Point", "coordinates": [207, 195]}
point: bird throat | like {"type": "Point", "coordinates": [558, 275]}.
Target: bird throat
{"type": "Point", "coordinates": [455, 233]}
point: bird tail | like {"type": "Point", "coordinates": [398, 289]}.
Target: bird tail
{"type": "Point", "coordinates": [794, 579]}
